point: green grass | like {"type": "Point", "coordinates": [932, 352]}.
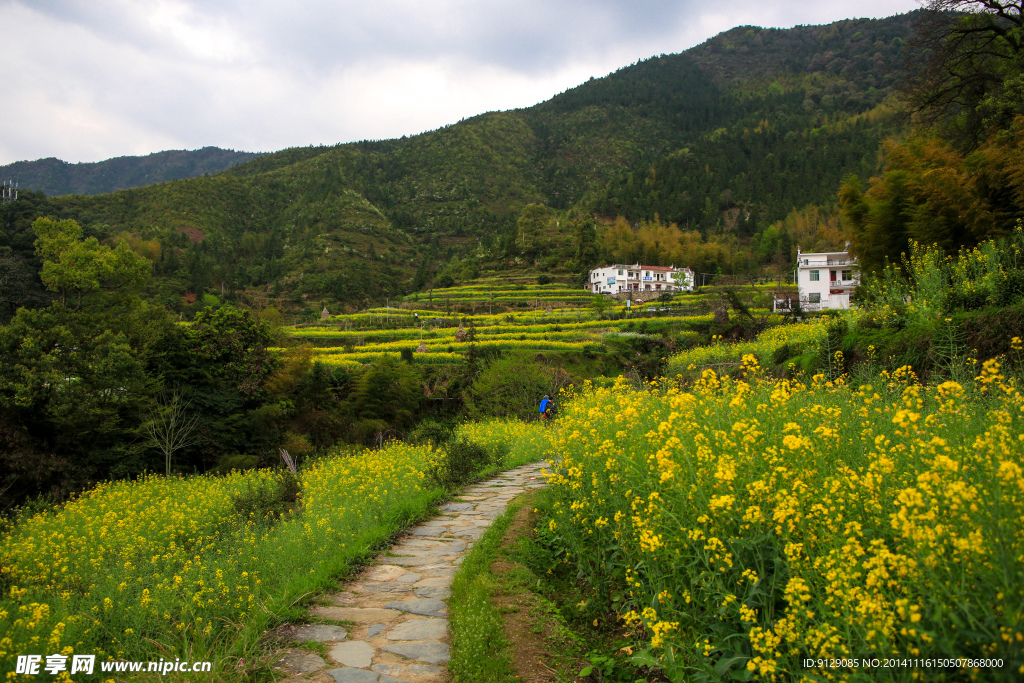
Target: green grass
{"type": "Point", "coordinates": [480, 649]}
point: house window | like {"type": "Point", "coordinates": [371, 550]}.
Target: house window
{"type": "Point", "coordinates": [814, 275]}
{"type": "Point", "coordinates": [814, 297]}
{"type": "Point", "coordinates": [620, 272]}
{"type": "Point", "coordinates": [847, 274]}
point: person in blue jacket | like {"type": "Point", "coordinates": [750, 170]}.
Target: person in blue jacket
{"type": "Point", "coordinates": [546, 405]}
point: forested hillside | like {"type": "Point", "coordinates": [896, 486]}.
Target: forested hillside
{"type": "Point", "coordinates": [55, 177]}
{"type": "Point", "coordinates": [725, 140]}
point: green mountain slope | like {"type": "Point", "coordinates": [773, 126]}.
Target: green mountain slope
{"type": "Point", "coordinates": [725, 137]}
{"type": "Point", "coordinates": [808, 109]}
{"type": "Point", "coordinates": [56, 177]}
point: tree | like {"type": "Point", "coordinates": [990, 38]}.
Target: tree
{"type": "Point", "coordinates": [18, 286]}
{"type": "Point", "coordinates": [600, 303]}
{"type": "Point", "coordinates": [510, 387]}
{"type": "Point", "coordinates": [934, 194]}
{"type": "Point", "coordinates": [533, 222]}
{"type": "Point", "coordinates": [970, 76]}
{"type": "Point", "coordinates": [385, 397]}
{"type": "Point", "coordinates": [171, 425]}
{"type": "Point", "coordinates": [76, 267]}
{"type": "Point", "coordinates": [231, 345]}
{"type": "Point", "coordinates": [877, 220]}
{"type": "Point", "coordinates": [72, 392]}
{"type": "Point", "coordinates": [585, 241]}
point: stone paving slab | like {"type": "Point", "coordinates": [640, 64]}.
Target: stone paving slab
{"type": "Point", "coordinates": [299, 662]}
{"type": "Point", "coordinates": [318, 633]}
{"type": "Point", "coordinates": [428, 607]}
{"type": "Point", "coordinates": [397, 604]}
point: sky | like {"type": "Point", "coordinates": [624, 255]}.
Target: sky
{"type": "Point", "coordinates": [87, 80]}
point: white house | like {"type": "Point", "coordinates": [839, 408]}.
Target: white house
{"type": "Point", "coordinates": [620, 278]}
{"type": "Point", "coordinates": [826, 279]}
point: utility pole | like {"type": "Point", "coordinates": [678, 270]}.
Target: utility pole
{"type": "Point", "coordinates": [10, 191]}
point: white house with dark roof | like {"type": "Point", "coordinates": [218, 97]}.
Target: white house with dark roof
{"type": "Point", "coordinates": [619, 278]}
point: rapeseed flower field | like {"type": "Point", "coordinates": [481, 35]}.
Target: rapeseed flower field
{"type": "Point", "coordinates": [164, 567]}
{"type": "Point", "coordinates": [746, 525]}
{"type": "Point", "coordinates": [526, 441]}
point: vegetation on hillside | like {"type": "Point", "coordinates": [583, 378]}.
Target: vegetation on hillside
{"type": "Point", "coordinates": [689, 139]}
{"type": "Point", "coordinates": [56, 177]}
{"type": "Point", "coordinates": [957, 179]}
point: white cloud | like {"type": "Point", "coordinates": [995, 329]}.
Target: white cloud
{"type": "Point", "coordinates": [86, 80]}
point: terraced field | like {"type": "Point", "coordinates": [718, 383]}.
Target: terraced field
{"type": "Point", "coordinates": [556, 319]}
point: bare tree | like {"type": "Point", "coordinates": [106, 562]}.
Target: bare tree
{"type": "Point", "coordinates": [171, 425]}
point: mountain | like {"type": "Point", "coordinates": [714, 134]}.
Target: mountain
{"type": "Point", "coordinates": [725, 139]}
{"type": "Point", "coordinates": [56, 177]}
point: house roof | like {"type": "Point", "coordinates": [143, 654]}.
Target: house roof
{"type": "Point", "coordinates": [637, 266]}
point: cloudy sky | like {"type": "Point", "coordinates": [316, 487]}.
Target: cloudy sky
{"type": "Point", "coordinates": [86, 80]}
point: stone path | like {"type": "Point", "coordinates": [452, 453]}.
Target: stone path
{"type": "Point", "coordinates": [397, 603]}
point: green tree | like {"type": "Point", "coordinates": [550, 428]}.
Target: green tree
{"type": "Point", "coordinates": [933, 194]}
{"type": "Point", "coordinates": [878, 222]}
{"type": "Point", "coordinates": [223, 360]}
{"type": "Point", "coordinates": [318, 407]}
{"type": "Point", "coordinates": [532, 224]}
{"type": "Point", "coordinates": [385, 398]}
{"type": "Point", "coordinates": [510, 387]}
{"type": "Point", "coordinates": [230, 344]}
{"type": "Point", "coordinates": [585, 242]}
{"type": "Point", "coordinates": [72, 395]}
{"type": "Point", "coordinates": [599, 303]}
{"type": "Point", "coordinates": [76, 267]}
{"type": "Point", "coordinates": [18, 285]}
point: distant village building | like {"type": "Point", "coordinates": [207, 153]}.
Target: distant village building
{"type": "Point", "coordinates": [825, 279]}
{"type": "Point", "coordinates": [619, 278]}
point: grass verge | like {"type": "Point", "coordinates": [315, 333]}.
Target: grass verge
{"type": "Point", "coordinates": [480, 650]}
{"type": "Point", "coordinates": [513, 620]}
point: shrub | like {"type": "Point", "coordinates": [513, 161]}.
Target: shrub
{"type": "Point", "coordinates": [1009, 288]}
{"type": "Point", "coordinates": [236, 461]}
{"type": "Point", "coordinates": [430, 432]}
{"type": "Point", "coordinates": [957, 299]}
{"type": "Point", "coordinates": [782, 354]}
{"type": "Point", "coordinates": [267, 500]}
{"type": "Point", "coordinates": [460, 460]}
